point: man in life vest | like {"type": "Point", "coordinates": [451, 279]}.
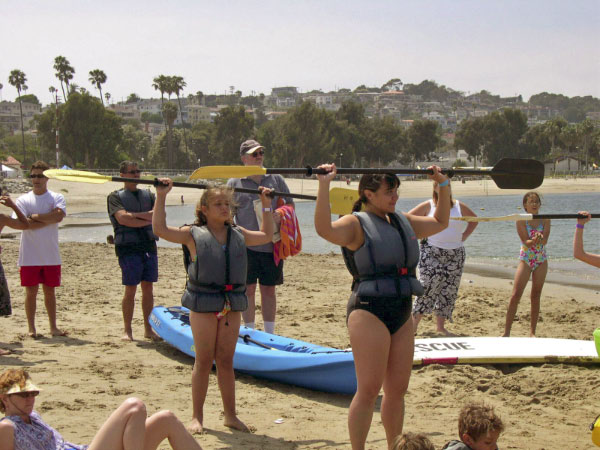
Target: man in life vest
{"type": "Point", "coordinates": [261, 263]}
{"type": "Point", "coordinates": [130, 212]}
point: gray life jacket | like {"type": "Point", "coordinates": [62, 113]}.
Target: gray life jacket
{"type": "Point", "coordinates": [142, 203]}
{"type": "Point", "coordinates": [219, 272]}
{"type": "Point", "coordinates": [385, 265]}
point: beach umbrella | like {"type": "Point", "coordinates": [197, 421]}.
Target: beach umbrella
{"type": "Point", "coordinates": [509, 173]}
{"type": "Point", "coordinates": [341, 202]}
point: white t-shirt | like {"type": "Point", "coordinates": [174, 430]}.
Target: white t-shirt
{"type": "Point", "coordinates": [451, 237]}
{"type": "Point", "coordinates": [40, 247]}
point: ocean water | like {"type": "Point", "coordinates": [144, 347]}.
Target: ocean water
{"type": "Point", "coordinates": [493, 244]}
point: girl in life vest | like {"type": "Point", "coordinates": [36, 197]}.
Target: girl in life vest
{"type": "Point", "coordinates": [215, 290]}
{"type": "Point", "coordinates": [381, 251]}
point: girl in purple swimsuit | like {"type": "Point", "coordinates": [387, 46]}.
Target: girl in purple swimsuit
{"type": "Point", "coordinates": [533, 261]}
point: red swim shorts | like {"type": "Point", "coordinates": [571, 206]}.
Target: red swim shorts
{"type": "Point", "coordinates": [34, 275]}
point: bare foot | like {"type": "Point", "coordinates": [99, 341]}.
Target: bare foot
{"type": "Point", "coordinates": [532, 335]}
{"type": "Point", "coordinates": [152, 335]}
{"type": "Point", "coordinates": [58, 332]}
{"type": "Point", "coordinates": [33, 334]}
{"type": "Point", "coordinates": [4, 352]}
{"type": "Point", "coordinates": [446, 333]}
{"type": "Point", "coordinates": [236, 424]}
{"type": "Point", "coordinates": [128, 336]}
{"type": "Point", "coordinates": [505, 335]}
{"type": "Point", "coordinates": [195, 427]}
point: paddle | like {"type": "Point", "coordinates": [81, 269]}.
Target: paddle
{"type": "Point", "coordinates": [509, 173]}
{"type": "Point", "coordinates": [246, 338]}
{"type": "Point", "coordinates": [523, 217]}
{"type": "Point", "coordinates": [96, 178]}
{"type": "Point", "coordinates": [342, 199]}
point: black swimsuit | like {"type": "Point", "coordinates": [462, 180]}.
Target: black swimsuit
{"type": "Point", "coordinates": [392, 311]}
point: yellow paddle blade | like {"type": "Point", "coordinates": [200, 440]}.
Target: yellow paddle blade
{"type": "Point", "coordinates": [209, 172]}
{"type": "Point", "coordinates": [342, 200]}
{"type": "Point", "coordinates": [76, 175]}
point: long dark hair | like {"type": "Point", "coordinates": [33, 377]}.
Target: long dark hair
{"type": "Point", "coordinates": [372, 182]}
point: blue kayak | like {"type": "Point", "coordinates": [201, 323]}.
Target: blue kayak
{"type": "Point", "coordinates": [267, 355]}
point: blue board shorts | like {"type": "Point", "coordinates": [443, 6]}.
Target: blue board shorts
{"type": "Point", "coordinates": [139, 267]}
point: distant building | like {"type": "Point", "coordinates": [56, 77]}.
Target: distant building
{"type": "Point", "coordinates": [287, 91]}
{"type": "Point", "coordinates": [563, 164]}
{"type": "Point", "coordinates": [593, 115]}
{"type": "Point", "coordinates": [199, 113]}
{"type": "Point", "coordinates": [125, 111]}
{"type": "Point", "coordinates": [12, 163]}
{"type": "Point", "coordinates": [10, 114]}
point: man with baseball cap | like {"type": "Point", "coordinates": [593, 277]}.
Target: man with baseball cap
{"type": "Point", "coordinates": [261, 264]}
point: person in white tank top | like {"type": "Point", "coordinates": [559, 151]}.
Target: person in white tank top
{"type": "Point", "coordinates": [441, 263]}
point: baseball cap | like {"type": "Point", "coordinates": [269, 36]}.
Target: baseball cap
{"type": "Point", "coordinates": [250, 146]}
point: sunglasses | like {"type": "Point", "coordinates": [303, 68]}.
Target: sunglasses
{"type": "Point", "coordinates": [257, 153]}
{"type": "Point", "coordinates": [134, 172]}
{"type": "Point", "coordinates": [27, 394]}
{"type": "Point", "coordinates": [37, 175]}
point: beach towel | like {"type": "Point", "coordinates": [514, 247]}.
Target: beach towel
{"type": "Point", "coordinates": [291, 239]}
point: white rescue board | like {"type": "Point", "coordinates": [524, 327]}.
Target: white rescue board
{"type": "Point", "coordinates": [495, 350]}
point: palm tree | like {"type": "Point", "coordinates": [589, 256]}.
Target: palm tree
{"type": "Point", "coordinates": [178, 84]}
{"type": "Point", "coordinates": [160, 84]}
{"type": "Point", "coordinates": [98, 78]}
{"type": "Point", "coordinates": [169, 111]}
{"type": "Point", "coordinates": [107, 97]}
{"type": "Point", "coordinates": [18, 80]}
{"type": "Point", "coordinates": [170, 86]}
{"type": "Point", "coordinates": [585, 130]}
{"type": "Point", "coordinates": [200, 96]}
{"type": "Point", "coordinates": [74, 87]}
{"type": "Point", "coordinates": [64, 72]}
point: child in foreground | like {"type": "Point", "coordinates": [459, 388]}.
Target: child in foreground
{"type": "Point", "coordinates": [412, 441]}
{"type": "Point", "coordinates": [478, 428]}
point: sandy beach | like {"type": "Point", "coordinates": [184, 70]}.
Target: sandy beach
{"type": "Point", "coordinates": [87, 374]}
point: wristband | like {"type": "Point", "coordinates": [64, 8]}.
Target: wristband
{"type": "Point", "coordinates": [579, 225]}
{"type": "Point", "coordinates": [444, 183]}
{"type": "Point", "coordinates": [267, 209]}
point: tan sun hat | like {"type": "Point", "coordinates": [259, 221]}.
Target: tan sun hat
{"type": "Point", "coordinates": [29, 387]}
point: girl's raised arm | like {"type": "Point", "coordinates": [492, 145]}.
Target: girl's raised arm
{"type": "Point", "coordinates": [159, 217]}
{"type": "Point", "coordinates": [265, 234]}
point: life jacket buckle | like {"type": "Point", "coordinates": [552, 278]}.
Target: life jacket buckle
{"type": "Point", "coordinates": [403, 271]}
{"type": "Point", "coordinates": [228, 287]}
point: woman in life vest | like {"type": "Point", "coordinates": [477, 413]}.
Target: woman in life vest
{"type": "Point", "coordinates": [215, 290]}
{"type": "Point", "coordinates": [381, 251]}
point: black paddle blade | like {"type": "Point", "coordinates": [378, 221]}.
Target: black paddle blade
{"type": "Point", "coordinates": [511, 173]}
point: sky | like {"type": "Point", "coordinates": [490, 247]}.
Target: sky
{"type": "Point", "coordinates": [507, 47]}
